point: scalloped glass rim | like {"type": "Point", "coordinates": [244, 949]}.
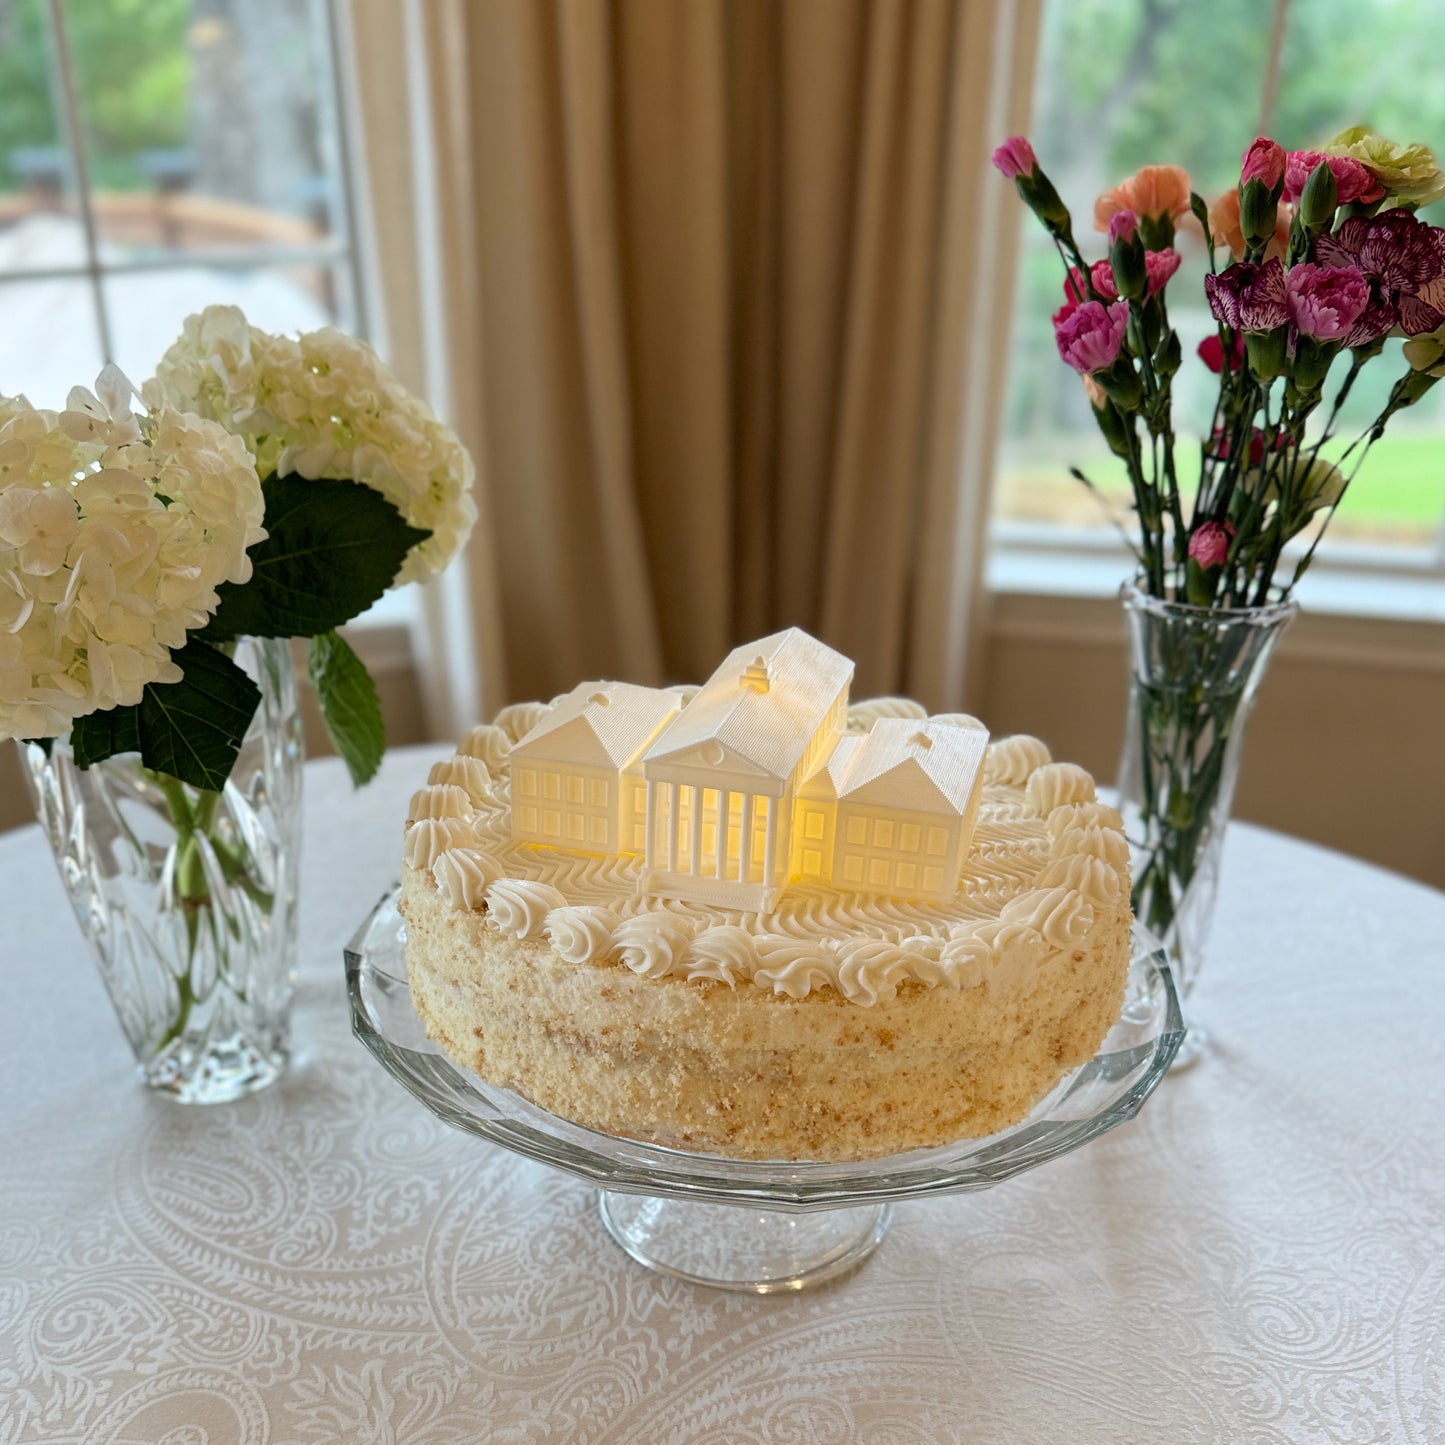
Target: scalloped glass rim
{"type": "Point", "coordinates": [1089, 1101]}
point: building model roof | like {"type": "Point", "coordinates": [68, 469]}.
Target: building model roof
{"type": "Point", "coordinates": [763, 705]}
{"type": "Point", "coordinates": [600, 724]}
{"type": "Point", "coordinates": [927, 766]}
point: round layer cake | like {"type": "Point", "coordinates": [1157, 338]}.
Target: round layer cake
{"type": "Point", "coordinates": [836, 1026]}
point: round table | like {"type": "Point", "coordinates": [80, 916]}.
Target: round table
{"type": "Point", "coordinates": [1259, 1256]}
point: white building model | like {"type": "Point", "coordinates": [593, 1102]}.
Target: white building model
{"type": "Point", "coordinates": [753, 783]}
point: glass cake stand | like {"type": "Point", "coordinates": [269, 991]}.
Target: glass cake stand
{"type": "Point", "coordinates": [740, 1224]}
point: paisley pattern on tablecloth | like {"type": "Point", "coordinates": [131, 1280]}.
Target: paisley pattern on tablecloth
{"type": "Point", "coordinates": [1259, 1257]}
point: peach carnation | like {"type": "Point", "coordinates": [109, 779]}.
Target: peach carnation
{"type": "Point", "coordinates": [1152, 191]}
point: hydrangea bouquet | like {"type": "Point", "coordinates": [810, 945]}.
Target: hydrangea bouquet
{"type": "Point", "coordinates": [157, 550]}
{"type": "Point", "coordinates": [259, 485]}
{"type": "Point", "coordinates": [1316, 257]}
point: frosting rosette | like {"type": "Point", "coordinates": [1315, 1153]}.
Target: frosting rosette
{"type": "Point", "coordinates": [519, 907]}
{"type": "Point", "coordinates": [581, 932]}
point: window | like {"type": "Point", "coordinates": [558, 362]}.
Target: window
{"type": "Point", "coordinates": [908, 836]}
{"type": "Point", "coordinates": [153, 160]}
{"type": "Point", "coordinates": [551, 785]}
{"type": "Point", "coordinates": [813, 827]}
{"type": "Point", "coordinates": [883, 833]}
{"type": "Point", "coordinates": [857, 831]}
{"type": "Point", "coordinates": [527, 782]}
{"type": "Point", "coordinates": [1123, 83]}
{"type": "Point", "coordinates": [576, 790]}
{"type": "Point", "coordinates": [599, 792]}
{"type": "Point", "coordinates": [937, 842]}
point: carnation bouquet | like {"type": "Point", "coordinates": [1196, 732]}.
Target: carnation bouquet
{"type": "Point", "coordinates": [1315, 258]}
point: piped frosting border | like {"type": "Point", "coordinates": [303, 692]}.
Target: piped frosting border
{"type": "Point", "coordinates": [1047, 859]}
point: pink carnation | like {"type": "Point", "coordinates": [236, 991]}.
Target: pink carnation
{"type": "Point", "coordinates": [1015, 158]}
{"type": "Point", "coordinates": [1354, 181]}
{"type": "Point", "coordinates": [1209, 546]}
{"type": "Point", "coordinates": [1160, 265]}
{"type": "Point", "coordinates": [1090, 336]}
{"type": "Point", "coordinates": [1263, 161]}
{"type": "Point", "coordinates": [1325, 301]}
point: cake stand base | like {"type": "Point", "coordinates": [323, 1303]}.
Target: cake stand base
{"type": "Point", "coordinates": [732, 1246]}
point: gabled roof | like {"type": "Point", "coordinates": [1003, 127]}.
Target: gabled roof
{"type": "Point", "coordinates": [831, 775]}
{"type": "Point", "coordinates": [600, 724]}
{"type": "Point", "coordinates": [764, 703]}
{"type": "Point", "coordinates": [929, 766]}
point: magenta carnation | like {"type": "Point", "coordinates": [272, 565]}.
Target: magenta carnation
{"type": "Point", "coordinates": [1263, 161]}
{"type": "Point", "coordinates": [1209, 545]}
{"type": "Point", "coordinates": [1326, 301]}
{"type": "Point", "coordinates": [1249, 297]}
{"type": "Point", "coordinates": [1090, 336]}
{"type": "Point", "coordinates": [1354, 181]}
{"type": "Point", "coordinates": [1015, 158]}
{"type": "Point", "coordinates": [1123, 226]}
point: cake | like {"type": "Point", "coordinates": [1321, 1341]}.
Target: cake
{"type": "Point", "coordinates": [886, 932]}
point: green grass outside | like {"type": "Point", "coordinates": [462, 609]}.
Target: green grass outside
{"type": "Point", "coordinates": [1401, 484]}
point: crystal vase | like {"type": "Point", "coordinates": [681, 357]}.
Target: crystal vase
{"type": "Point", "coordinates": [1193, 676]}
{"type": "Point", "coordinates": [188, 897]}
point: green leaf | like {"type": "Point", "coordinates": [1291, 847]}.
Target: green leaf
{"type": "Point", "coordinates": [192, 729]}
{"type": "Point", "coordinates": [349, 705]}
{"type": "Point", "coordinates": [333, 548]}
{"type": "Point", "coordinates": [101, 735]}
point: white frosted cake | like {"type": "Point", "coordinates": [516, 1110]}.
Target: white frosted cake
{"type": "Point", "coordinates": [751, 920]}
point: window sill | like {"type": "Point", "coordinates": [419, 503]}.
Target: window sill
{"type": "Point", "coordinates": [1348, 616]}
{"type": "Point", "coordinates": [1045, 560]}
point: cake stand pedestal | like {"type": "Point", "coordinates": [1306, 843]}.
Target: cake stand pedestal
{"type": "Point", "coordinates": [730, 1246]}
{"type": "Point", "coordinates": [762, 1226]}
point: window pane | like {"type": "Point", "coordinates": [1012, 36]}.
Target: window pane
{"type": "Point", "coordinates": [208, 123]}
{"type": "Point", "coordinates": [38, 227]}
{"type": "Point", "coordinates": [48, 339]}
{"type": "Point", "coordinates": [1121, 85]}
{"type": "Point", "coordinates": [147, 308]}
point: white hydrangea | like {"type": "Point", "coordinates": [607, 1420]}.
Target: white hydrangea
{"type": "Point", "coordinates": [324, 405]}
{"type": "Point", "coordinates": [115, 531]}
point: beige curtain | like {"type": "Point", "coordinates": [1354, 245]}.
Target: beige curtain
{"type": "Point", "coordinates": [721, 284]}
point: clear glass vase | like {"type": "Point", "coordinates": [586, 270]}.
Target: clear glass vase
{"type": "Point", "coordinates": [188, 897]}
{"type": "Point", "coordinates": [1193, 676]}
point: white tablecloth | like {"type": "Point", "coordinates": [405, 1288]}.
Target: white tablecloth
{"type": "Point", "coordinates": [1260, 1256]}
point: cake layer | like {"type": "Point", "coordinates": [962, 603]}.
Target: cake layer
{"type": "Point", "coordinates": [748, 1072]}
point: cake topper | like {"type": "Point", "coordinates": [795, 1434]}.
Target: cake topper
{"type": "Point", "coordinates": [752, 783]}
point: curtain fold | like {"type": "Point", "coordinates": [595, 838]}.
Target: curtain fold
{"type": "Point", "coordinates": [717, 328]}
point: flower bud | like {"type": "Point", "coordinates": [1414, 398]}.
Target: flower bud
{"type": "Point", "coordinates": [1312, 360]}
{"type": "Point", "coordinates": [1039, 193]}
{"type": "Point", "coordinates": [1320, 197]}
{"type": "Point", "coordinates": [1168, 355]}
{"type": "Point", "coordinates": [1258, 212]}
{"type": "Point", "coordinates": [1126, 256]}
{"type": "Point", "coordinates": [1121, 382]}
